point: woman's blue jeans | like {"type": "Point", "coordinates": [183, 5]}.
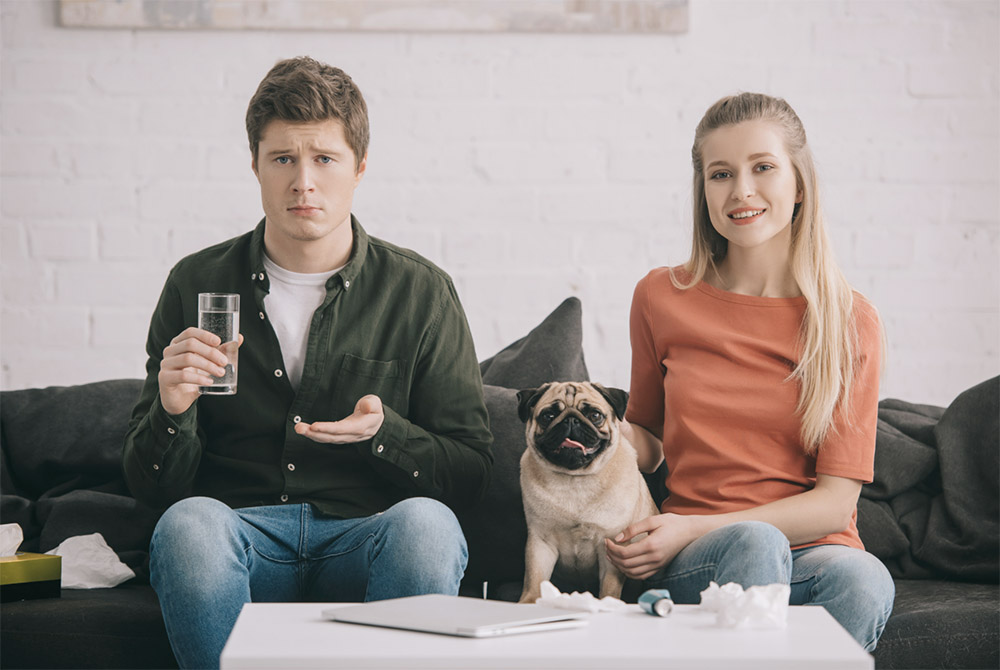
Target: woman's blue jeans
{"type": "Point", "coordinates": [207, 560]}
{"type": "Point", "coordinates": [853, 586]}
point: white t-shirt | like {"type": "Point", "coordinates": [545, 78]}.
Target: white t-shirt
{"type": "Point", "coordinates": [290, 305]}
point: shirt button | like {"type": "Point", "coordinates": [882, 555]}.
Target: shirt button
{"type": "Point", "coordinates": [416, 473]}
{"type": "Point", "coordinates": [347, 283]}
{"type": "Point", "coordinates": [156, 467]}
{"type": "Point", "coordinates": [171, 431]}
{"type": "Point", "coordinates": [381, 448]}
{"type": "Point", "coordinates": [284, 498]}
{"type": "Point", "coordinates": [253, 276]}
{"type": "Point", "coordinates": [291, 467]}
{"type": "Point", "coordinates": [297, 419]}
{"type": "Point", "coordinates": [261, 316]}
{"type": "Point", "coordinates": [262, 276]}
{"type": "Point", "coordinates": [278, 373]}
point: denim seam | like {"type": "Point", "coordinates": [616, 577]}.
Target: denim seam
{"type": "Point", "coordinates": [812, 574]}
{"type": "Point", "coordinates": [691, 571]}
{"type": "Point", "coordinates": [271, 559]}
{"type": "Point", "coordinates": [809, 596]}
{"type": "Point", "coordinates": [345, 552]}
{"type": "Point", "coordinates": [301, 572]}
{"type": "Point", "coordinates": [371, 558]}
{"type": "Point", "coordinates": [303, 532]}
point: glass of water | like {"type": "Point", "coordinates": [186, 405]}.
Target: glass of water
{"type": "Point", "coordinates": [219, 313]}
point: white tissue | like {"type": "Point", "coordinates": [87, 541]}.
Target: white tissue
{"type": "Point", "coordinates": [584, 602]}
{"type": "Point", "coordinates": [89, 563]}
{"type": "Point", "coordinates": [11, 537]}
{"type": "Point", "coordinates": [757, 607]}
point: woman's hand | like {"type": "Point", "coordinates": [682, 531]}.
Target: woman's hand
{"type": "Point", "coordinates": [804, 517]}
{"type": "Point", "coordinates": [666, 535]}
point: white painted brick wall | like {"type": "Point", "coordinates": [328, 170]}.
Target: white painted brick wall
{"type": "Point", "coordinates": [531, 167]}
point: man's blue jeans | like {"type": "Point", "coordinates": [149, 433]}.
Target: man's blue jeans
{"type": "Point", "coordinates": [207, 560]}
{"type": "Point", "coordinates": [853, 586]}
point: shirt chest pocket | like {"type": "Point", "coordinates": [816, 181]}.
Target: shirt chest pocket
{"type": "Point", "coordinates": [364, 376]}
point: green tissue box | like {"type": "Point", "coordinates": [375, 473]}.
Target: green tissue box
{"type": "Point", "coordinates": [26, 576]}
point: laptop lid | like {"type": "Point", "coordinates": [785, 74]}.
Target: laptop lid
{"type": "Point", "coordinates": [457, 615]}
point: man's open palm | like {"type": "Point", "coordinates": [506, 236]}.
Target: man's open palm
{"type": "Point", "coordinates": [359, 426]}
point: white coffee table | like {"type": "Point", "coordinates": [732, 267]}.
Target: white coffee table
{"type": "Point", "coordinates": [293, 635]}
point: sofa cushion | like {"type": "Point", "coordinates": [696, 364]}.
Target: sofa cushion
{"type": "Point", "coordinates": [61, 470]}
{"type": "Point", "coordinates": [932, 510]}
{"type": "Point", "coordinates": [941, 624]}
{"type": "Point", "coordinates": [64, 437]}
{"type": "Point", "coordinates": [101, 628]}
{"type": "Point", "coordinates": [495, 528]}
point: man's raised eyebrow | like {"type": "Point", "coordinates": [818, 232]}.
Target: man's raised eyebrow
{"type": "Point", "coordinates": [318, 150]}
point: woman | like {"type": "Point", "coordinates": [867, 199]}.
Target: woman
{"type": "Point", "coordinates": [755, 371]}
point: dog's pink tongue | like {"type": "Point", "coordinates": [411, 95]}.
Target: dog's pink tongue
{"type": "Point", "coordinates": [572, 444]}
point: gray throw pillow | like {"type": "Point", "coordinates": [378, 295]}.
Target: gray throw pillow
{"type": "Point", "coordinates": [61, 472]}
{"type": "Point", "coordinates": [552, 351]}
{"type": "Point", "coordinates": [495, 528]}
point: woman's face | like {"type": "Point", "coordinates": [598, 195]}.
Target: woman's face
{"type": "Point", "coordinates": [750, 186]}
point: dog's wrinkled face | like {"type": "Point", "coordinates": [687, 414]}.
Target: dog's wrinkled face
{"type": "Point", "coordinates": [571, 423]}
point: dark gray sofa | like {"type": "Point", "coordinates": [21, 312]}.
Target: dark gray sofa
{"type": "Point", "coordinates": [931, 515]}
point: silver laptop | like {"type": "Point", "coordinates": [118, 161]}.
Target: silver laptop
{"type": "Point", "coordinates": [458, 615]}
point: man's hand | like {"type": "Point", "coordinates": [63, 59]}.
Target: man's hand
{"type": "Point", "coordinates": [189, 361]}
{"type": "Point", "coordinates": [362, 425]}
{"type": "Point", "coordinates": [666, 535]}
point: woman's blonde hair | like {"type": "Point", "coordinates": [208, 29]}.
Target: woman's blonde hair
{"type": "Point", "coordinates": [828, 337]}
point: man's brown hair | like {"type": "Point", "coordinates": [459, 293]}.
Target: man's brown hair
{"type": "Point", "coordinates": [303, 90]}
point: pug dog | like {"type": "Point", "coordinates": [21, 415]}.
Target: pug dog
{"type": "Point", "coordinates": [580, 483]}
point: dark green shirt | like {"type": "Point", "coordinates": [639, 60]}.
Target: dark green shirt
{"type": "Point", "coordinates": [391, 325]}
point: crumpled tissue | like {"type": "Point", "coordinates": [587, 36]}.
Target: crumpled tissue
{"type": "Point", "coordinates": [11, 537]}
{"type": "Point", "coordinates": [584, 602]}
{"type": "Point", "coordinates": [757, 607]}
{"type": "Point", "coordinates": [89, 563]}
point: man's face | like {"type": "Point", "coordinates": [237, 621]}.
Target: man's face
{"type": "Point", "coordinates": [307, 179]}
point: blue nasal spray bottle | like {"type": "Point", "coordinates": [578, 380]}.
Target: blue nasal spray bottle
{"type": "Point", "coordinates": [656, 602]}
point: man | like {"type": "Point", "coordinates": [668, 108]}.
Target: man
{"type": "Point", "coordinates": [359, 418]}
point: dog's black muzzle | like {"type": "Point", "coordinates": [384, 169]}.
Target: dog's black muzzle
{"type": "Point", "coordinates": [571, 441]}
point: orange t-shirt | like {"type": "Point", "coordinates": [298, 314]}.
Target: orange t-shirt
{"type": "Point", "coordinates": [709, 372]}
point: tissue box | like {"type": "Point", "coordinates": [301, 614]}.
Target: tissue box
{"type": "Point", "coordinates": [26, 576]}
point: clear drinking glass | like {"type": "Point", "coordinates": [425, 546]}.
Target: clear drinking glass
{"type": "Point", "coordinates": [219, 313]}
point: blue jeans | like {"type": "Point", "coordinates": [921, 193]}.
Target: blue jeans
{"type": "Point", "coordinates": [853, 586]}
{"type": "Point", "coordinates": [206, 560]}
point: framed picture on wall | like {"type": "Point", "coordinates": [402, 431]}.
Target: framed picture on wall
{"type": "Point", "coordinates": [541, 16]}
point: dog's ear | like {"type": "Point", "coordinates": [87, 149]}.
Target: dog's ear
{"type": "Point", "coordinates": [617, 398]}
{"type": "Point", "coordinates": [527, 399]}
